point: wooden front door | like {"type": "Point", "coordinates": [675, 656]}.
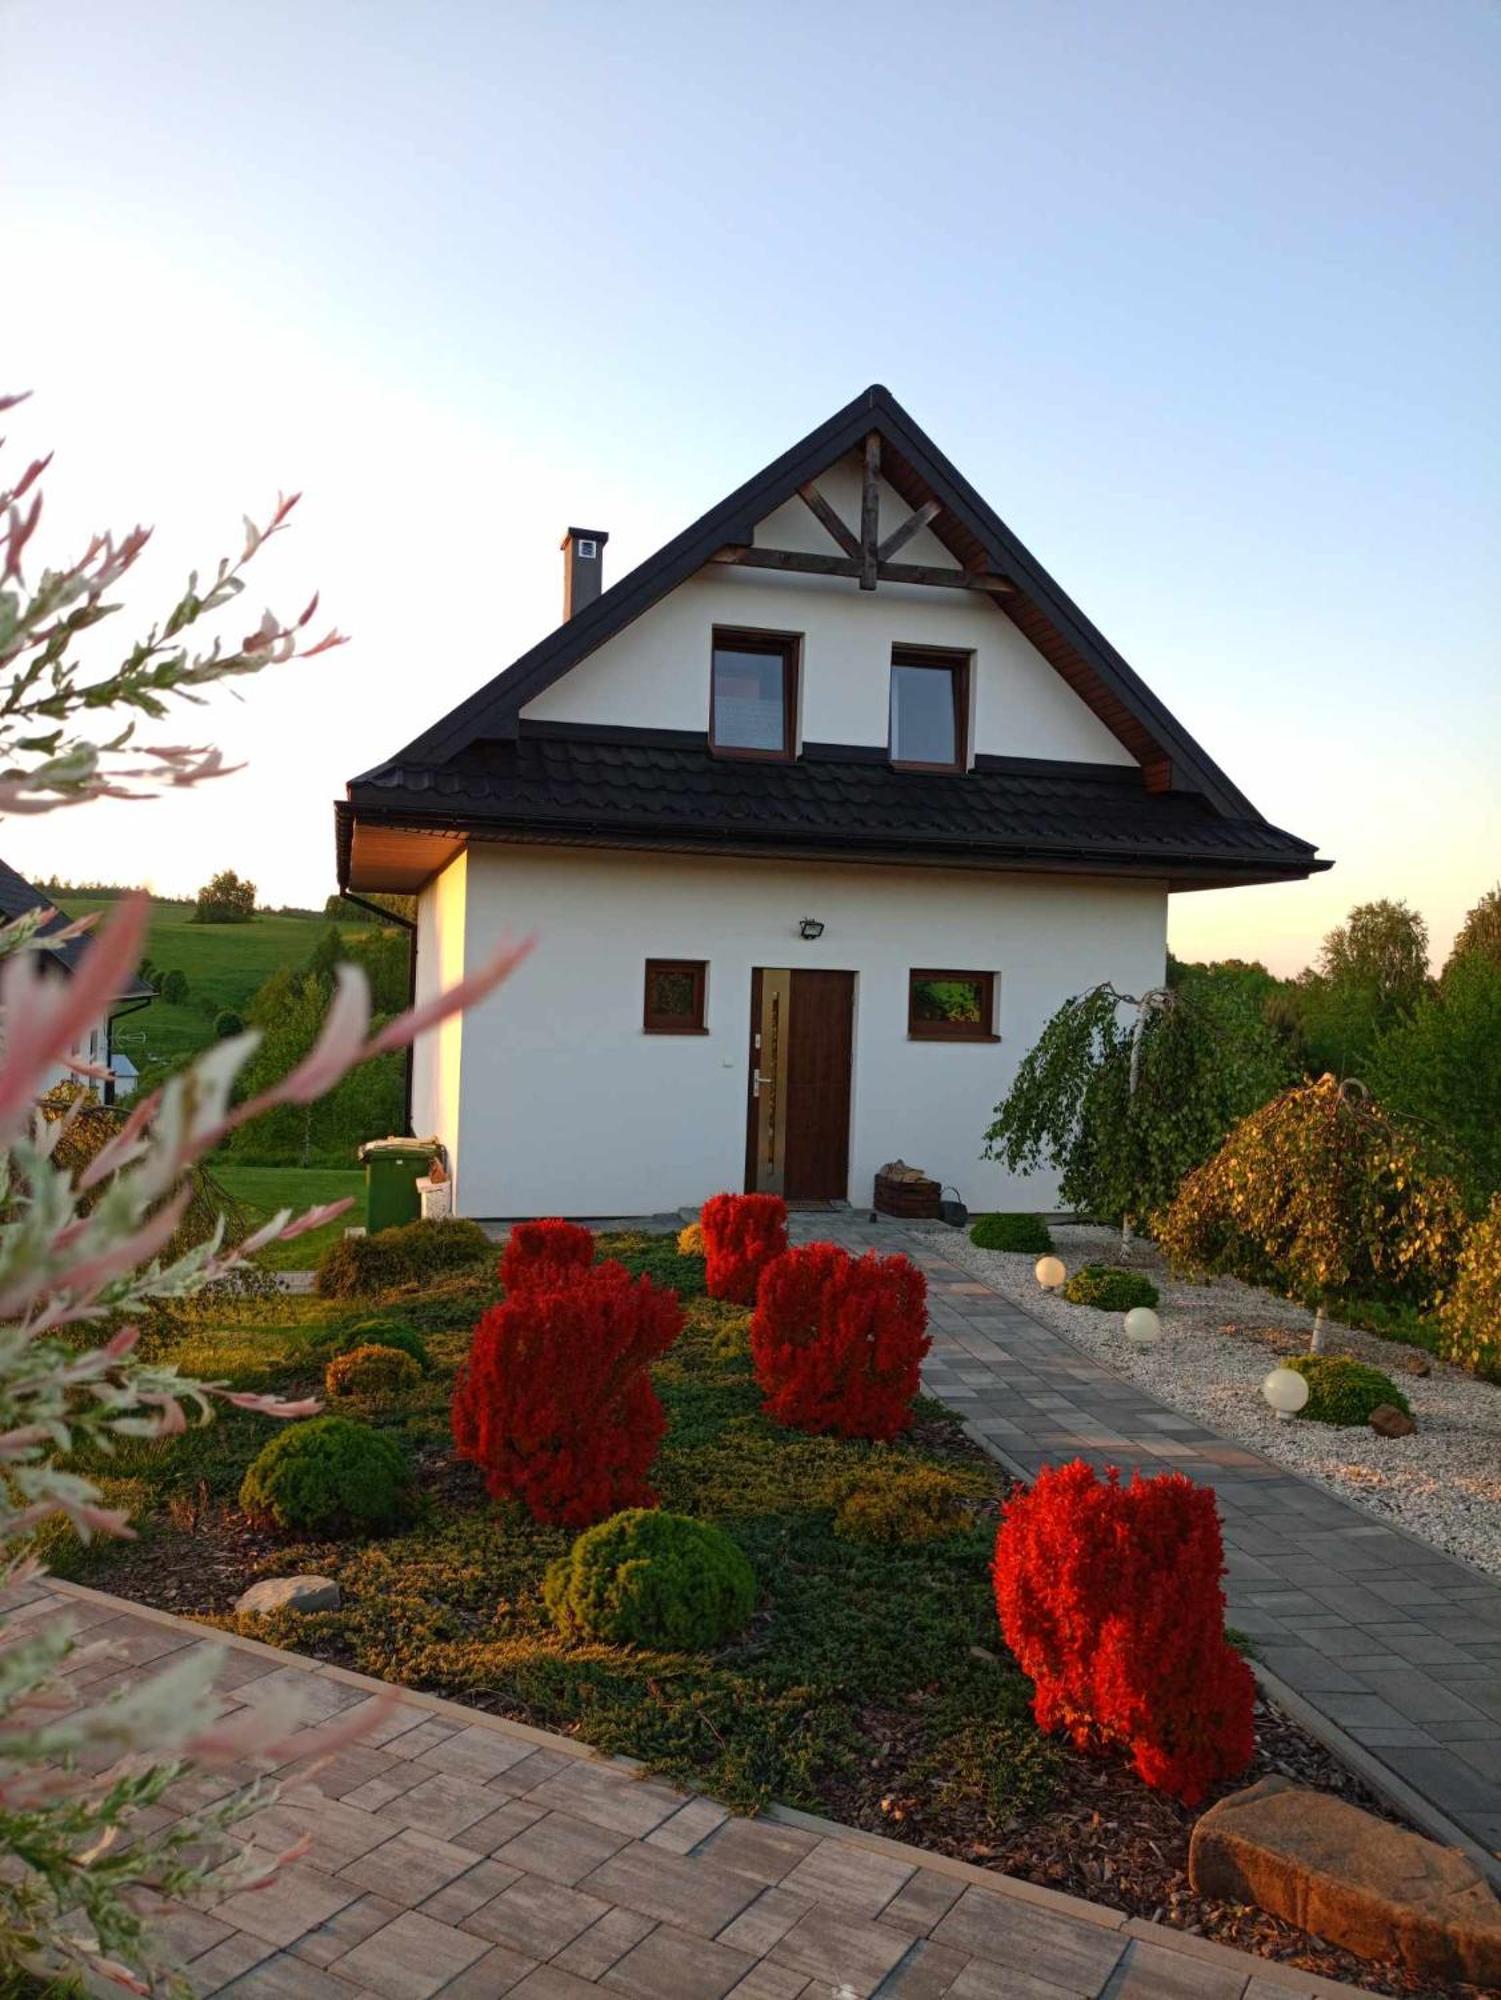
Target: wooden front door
{"type": "Point", "coordinates": [802, 1044]}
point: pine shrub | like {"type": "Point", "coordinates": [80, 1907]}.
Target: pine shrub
{"type": "Point", "coordinates": [555, 1401]}
{"type": "Point", "coordinates": [541, 1256]}
{"type": "Point", "coordinates": [742, 1234]}
{"type": "Point", "coordinates": [328, 1476]}
{"type": "Point", "coordinates": [908, 1503]}
{"type": "Point", "coordinates": [375, 1374]}
{"type": "Point", "coordinates": [1028, 1234]}
{"type": "Point", "coordinates": [644, 1578]}
{"type": "Point", "coordinates": [838, 1342]}
{"type": "Point", "coordinates": [386, 1330]}
{"type": "Point", "coordinates": [357, 1266]}
{"type": "Point", "coordinates": [1344, 1392]}
{"type": "Point", "coordinates": [1470, 1318]}
{"type": "Point", "coordinates": [1109, 1289]}
{"type": "Point", "coordinates": [1110, 1599]}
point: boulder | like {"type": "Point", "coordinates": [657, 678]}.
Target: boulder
{"type": "Point", "coordinates": [1416, 1362]}
{"type": "Point", "coordinates": [1357, 1880]}
{"type": "Point", "coordinates": [1389, 1422]}
{"type": "Point", "coordinates": [288, 1593]}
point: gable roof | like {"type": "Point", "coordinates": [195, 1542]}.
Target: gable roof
{"type": "Point", "coordinates": [914, 466]}
{"type": "Point", "coordinates": [18, 898]}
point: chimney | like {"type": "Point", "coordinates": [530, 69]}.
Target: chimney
{"type": "Point", "coordinates": [583, 568]}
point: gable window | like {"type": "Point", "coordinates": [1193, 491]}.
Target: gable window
{"type": "Point", "coordinates": [951, 1006]}
{"type": "Point", "coordinates": [929, 710]}
{"type": "Point", "coordinates": [753, 694]}
{"type": "Point", "coordinates": [675, 996]}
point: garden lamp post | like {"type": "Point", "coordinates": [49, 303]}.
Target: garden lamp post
{"type": "Point", "coordinates": [1143, 1328]}
{"type": "Point", "coordinates": [1051, 1273]}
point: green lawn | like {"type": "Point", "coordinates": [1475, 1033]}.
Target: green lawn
{"type": "Point", "coordinates": [224, 964]}
{"type": "Point", "coordinates": [263, 1190]}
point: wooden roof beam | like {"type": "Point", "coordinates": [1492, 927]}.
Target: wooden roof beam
{"type": "Point", "coordinates": [827, 518]}
{"type": "Point", "coordinates": [888, 572]}
{"type": "Point", "coordinates": [899, 537]}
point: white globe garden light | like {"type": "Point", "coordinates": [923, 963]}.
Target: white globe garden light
{"type": "Point", "coordinates": [1051, 1273]}
{"type": "Point", "coordinates": [1143, 1327]}
{"type": "Point", "coordinates": [1286, 1390]}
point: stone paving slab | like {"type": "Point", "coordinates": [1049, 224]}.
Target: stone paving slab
{"type": "Point", "coordinates": [1388, 1648]}
{"type": "Point", "coordinates": [585, 1878]}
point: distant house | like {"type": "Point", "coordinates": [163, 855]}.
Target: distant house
{"type": "Point", "coordinates": [17, 899]}
{"type": "Point", "coordinates": [819, 815]}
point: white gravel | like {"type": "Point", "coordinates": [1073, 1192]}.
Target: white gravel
{"type": "Point", "coordinates": [1218, 1342]}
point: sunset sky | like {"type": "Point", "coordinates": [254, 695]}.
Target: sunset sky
{"type": "Point", "coordinates": [1203, 299]}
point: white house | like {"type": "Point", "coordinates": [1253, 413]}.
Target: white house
{"type": "Point", "coordinates": [818, 816]}
{"type": "Point", "coordinates": [18, 899]}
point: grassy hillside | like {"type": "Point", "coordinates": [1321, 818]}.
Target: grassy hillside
{"type": "Point", "coordinates": [224, 963]}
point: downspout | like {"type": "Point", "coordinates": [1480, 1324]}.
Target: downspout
{"type": "Point", "coordinates": [406, 924]}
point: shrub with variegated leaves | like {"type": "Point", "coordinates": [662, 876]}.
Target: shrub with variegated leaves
{"type": "Point", "coordinates": [89, 1239]}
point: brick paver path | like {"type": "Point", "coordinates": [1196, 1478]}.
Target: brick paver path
{"type": "Point", "coordinates": [459, 1856]}
{"type": "Point", "coordinates": [1392, 1641]}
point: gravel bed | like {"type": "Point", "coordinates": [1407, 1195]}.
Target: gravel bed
{"type": "Point", "coordinates": [1218, 1342]}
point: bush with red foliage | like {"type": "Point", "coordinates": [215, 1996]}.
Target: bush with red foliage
{"type": "Point", "coordinates": [541, 1256]}
{"type": "Point", "coordinates": [555, 1401]}
{"type": "Point", "coordinates": [742, 1233]}
{"type": "Point", "coordinates": [838, 1342]}
{"type": "Point", "coordinates": [1110, 1598]}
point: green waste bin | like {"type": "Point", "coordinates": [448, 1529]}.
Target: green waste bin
{"type": "Point", "coordinates": [393, 1168]}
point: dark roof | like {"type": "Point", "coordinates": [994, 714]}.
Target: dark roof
{"type": "Point", "coordinates": [918, 470]}
{"type": "Point", "coordinates": [664, 788]}
{"type": "Point", "coordinates": [18, 898]}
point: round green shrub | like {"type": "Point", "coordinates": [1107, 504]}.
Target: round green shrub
{"type": "Point", "coordinates": [227, 1022]}
{"type": "Point", "coordinates": [377, 1373]}
{"type": "Point", "coordinates": [1109, 1289]}
{"type": "Point", "coordinates": [913, 1503]}
{"type": "Point", "coordinates": [1341, 1391]}
{"type": "Point", "coordinates": [647, 1578]}
{"type": "Point", "coordinates": [328, 1476]}
{"type": "Point", "coordinates": [1026, 1233]}
{"type": "Point", "coordinates": [385, 1330]}
{"type": "Point", "coordinates": [355, 1266]}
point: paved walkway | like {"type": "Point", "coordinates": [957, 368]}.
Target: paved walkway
{"type": "Point", "coordinates": [1382, 1637]}
{"type": "Point", "coordinates": [458, 1856]}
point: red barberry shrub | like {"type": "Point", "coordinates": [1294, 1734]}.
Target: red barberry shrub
{"type": "Point", "coordinates": [742, 1233]}
{"type": "Point", "coordinates": [541, 1256]}
{"type": "Point", "coordinates": [1110, 1598]}
{"type": "Point", "coordinates": [838, 1342]}
{"type": "Point", "coordinates": [555, 1401]}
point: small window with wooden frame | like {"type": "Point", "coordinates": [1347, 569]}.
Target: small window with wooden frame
{"type": "Point", "coordinates": [753, 694]}
{"type": "Point", "coordinates": [929, 709]}
{"type": "Point", "coordinates": [675, 993]}
{"type": "Point", "coordinates": [951, 1006]}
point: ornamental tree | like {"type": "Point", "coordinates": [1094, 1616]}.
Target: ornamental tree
{"type": "Point", "coordinates": [1122, 1095]}
{"type": "Point", "coordinates": [1323, 1196]}
{"type": "Point", "coordinates": [86, 1246]}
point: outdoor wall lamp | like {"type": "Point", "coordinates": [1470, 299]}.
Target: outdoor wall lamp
{"type": "Point", "coordinates": [810, 927]}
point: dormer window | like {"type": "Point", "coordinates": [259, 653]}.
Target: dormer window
{"type": "Point", "coordinates": [753, 695]}
{"type": "Point", "coordinates": [929, 710]}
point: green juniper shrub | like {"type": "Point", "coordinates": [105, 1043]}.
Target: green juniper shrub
{"type": "Point", "coordinates": [648, 1578]}
{"type": "Point", "coordinates": [356, 1266]}
{"type": "Point", "coordinates": [1028, 1234]}
{"type": "Point", "coordinates": [372, 1373]}
{"type": "Point", "coordinates": [1345, 1392]}
{"type": "Point", "coordinates": [909, 1503]}
{"type": "Point", "coordinates": [656, 1257]}
{"type": "Point", "coordinates": [1109, 1288]}
{"type": "Point", "coordinates": [329, 1476]}
{"type": "Point", "coordinates": [386, 1330]}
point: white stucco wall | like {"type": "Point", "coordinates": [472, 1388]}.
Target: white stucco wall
{"type": "Point", "coordinates": [655, 674]}
{"type": "Point", "coordinates": [437, 1058]}
{"type": "Point", "coordinates": [566, 1106]}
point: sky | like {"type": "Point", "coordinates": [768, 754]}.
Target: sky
{"type": "Point", "coordinates": [1203, 299]}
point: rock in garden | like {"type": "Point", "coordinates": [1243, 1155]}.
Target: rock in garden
{"type": "Point", "coordinates": [1416, 1362]}
{"type": "Point", "coordinates": [289, 1593]}
{"type": "Point", "coordinates": [1389, 1422]}
{"type": "Point", "coordinates": [1357, 1880]}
